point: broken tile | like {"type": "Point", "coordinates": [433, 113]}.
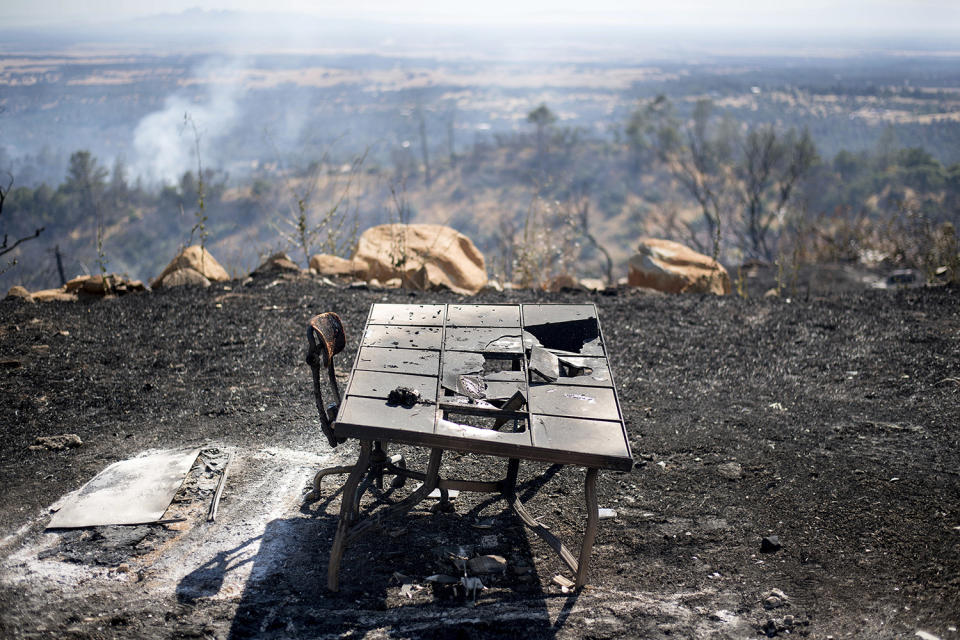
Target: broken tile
{"type": "Point", "coordinates": [544, 364]}
{"type": "Point", "coordinates": [487, 564]}
{"type": "Point", "coordinates": [563, 581]}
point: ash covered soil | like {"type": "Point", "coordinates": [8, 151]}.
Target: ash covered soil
{"type": "Point", "coordinates": [829, 422]}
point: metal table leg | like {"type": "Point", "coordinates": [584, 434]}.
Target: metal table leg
{"type": "Point", "coordinates": [590, 534]}
{"type": "Point", "coordinates": [580, 565]}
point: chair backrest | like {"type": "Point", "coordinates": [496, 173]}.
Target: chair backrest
{"type": "Point", "coordinates": [326, 339]}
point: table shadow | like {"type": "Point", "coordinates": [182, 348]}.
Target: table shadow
{"type": "Point", "coordinates": [285, 595]}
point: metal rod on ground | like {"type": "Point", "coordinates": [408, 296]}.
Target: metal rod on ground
{"type": "Point", "coordinates": [212, 514]}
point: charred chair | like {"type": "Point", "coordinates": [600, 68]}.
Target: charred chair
{"type": "Point", "coordinates": [326, 339]}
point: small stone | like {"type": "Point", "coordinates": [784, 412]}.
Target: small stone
{"type": "Point", "coordinates": [730, 470]}
{"type": "Point", "coordinates": [17, 292]}
{"type": "Point", "coordinates": [775, 599]}
{"type": "Point", "coordinates": [788, 621]}
{"type": "Point", "coordinates": [487, 564]}
{"type": "Point", "coordinates": [770, 544]}
{"type": "Point", "coordinates": [56, 443]}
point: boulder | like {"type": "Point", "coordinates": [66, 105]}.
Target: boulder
{"type": "Point", "coordinates": [673, 268]}
{"type": "Point", "coordinates": [328, 265]}
{"type": "Point", "coordinates": [199, 260]}
{"type": "Point", "coordinates": [278, 263]}
{"type": "Point", "coordinates": [185, 277]}
{"type": "Point", "coordinates": [17, 292]}
{"type": "Point", "coordinates": [423, 256]}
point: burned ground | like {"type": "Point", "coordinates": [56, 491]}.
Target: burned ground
{"type": "Point", "coordinates": [829, 422]}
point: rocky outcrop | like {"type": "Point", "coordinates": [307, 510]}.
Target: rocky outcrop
{"type": "Point", "coordinates": [198, 259]}
{"type": "Point", "coordinates": [673, 268]}
{"type": "Point", "coordinates": [327, 265]}
{"type": "Point", "coordinates": [423, 256]}
{"type": "Point", "coordinates": [86, 287]}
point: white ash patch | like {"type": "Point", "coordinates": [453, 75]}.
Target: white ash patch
{"type": "Point", "coordinates": [262, 487]}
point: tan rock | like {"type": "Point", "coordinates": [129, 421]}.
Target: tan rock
{"type": "Point", "coordinates": [423, 256]}
{"type": "Point", "coordinates": [328, 265]}
{"type": "Point", "coordinates": [185, 277]}
{"type": "Point", "coordinates": [561, 282]}
{"type": "Point", "coordinates": [17, 292]}
{"type": "Point", "coordinates": [56, 443]}
{"type": "Point", "coordinates": [278, 263]}
{"type": "Point", "coordinates": [197, 259]}
{"type": "Point", "coordinates": [76, 284]}
{"type": "Point", "coordinates": [99, 285]}
{"type": "Point", "coordinates": [134, 286]}
{"type": "Point", "coordinates": [593, 284]}
{"type": "Point", "coordinates": [53, 295]}
{"type": "Point", "coordinates": [671, 267]}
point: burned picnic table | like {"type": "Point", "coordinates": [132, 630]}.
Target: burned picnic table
{"type": "Point", "coordinates": [521, 382]}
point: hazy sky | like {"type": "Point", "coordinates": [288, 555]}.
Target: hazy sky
{"type": "Point", "coordinates": [859, 16]}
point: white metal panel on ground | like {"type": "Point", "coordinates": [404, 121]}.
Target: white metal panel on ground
{"type": "Point", "coordinates": [135, 491]}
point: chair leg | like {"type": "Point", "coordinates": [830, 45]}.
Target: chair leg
{"type": "Point", "coordinates": [315, 493]}
{"type": "Point", "coordinates": [348, 510]}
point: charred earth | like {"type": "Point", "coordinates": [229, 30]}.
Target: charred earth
{"type": "Point", "coordinates": [797, 474]}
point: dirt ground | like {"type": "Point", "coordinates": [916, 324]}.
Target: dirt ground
{"type": "Point", "coordinates": [829, 421]}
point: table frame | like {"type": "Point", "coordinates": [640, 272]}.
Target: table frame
{"type": "Point", "coordinates": [366, 471]}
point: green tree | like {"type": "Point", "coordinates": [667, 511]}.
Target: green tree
{"type": "Point", "coordinates": [542, 118]}
{"type": "Point", "coordinates": [85, 183]}
{"type": "Point", "coordinates": [647, 132]}
{"type": "Point", "coordinates": [5, 245]}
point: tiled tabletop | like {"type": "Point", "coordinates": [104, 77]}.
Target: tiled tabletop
{"type": "Point", "coordinates": [468, 363]}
